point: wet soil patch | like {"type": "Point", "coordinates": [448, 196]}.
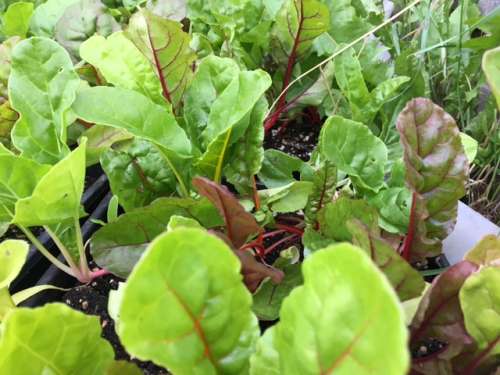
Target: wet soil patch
{"type": "Point", "coordinates": [92, 299]}
{"type": "Point", "coordinates": [297, 138]}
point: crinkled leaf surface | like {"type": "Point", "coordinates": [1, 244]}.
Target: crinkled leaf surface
{"type": "Point", "coordinates": [122, 64]}
{"type": "Point", "coordinates": [480, 302]}
{"type": "Point", "coordinates": [42, 87]}
{"type": "Point", "coordinates": [18, 178]}
{"type": "Point", "coordinates": [334, 216]}
{"type": "Point", "coordinates": [138, 174]}
{"type": "Point", "coordinates": [82, 20]}
{"type": "Point", "coordinates": [278, 168]}
{"type": "Point", "coordinates": [100, 138]}
{"type": "Point", "coordinates": [298, 23]}
{"type": "Point", "coordinates": [436, 172]}
{"type": "Point", "coordinates": [289, 198]}
{"type": "Point", "coordinates": [393, 205]}
{"type": "Point", "coordinates": [46, 16]}
{"type": "Point", "coordinates": [266, 359]}
{"type": "Point", "coordinates": [439, 315]}
{"type": "Point", "coordinates": [5, 63]}
{"type": "Point", "coordinates": [407, 281]}
{"type": "Point", "coordinates": [133, 112]}
{"type": "Point", "coordinates": [57, 195]}
{"type": "Point", "coordinates": [194, 278]}
{"type": "Point", "coordinates": [338, 322]}
{"type": "Point", "coordinates": [118, 245]}
{"type": "Point", "coordinates": [16, 20]}
{"type": "Point", "coordinates": [77, 348]}
{"type": "Point", "coordinates": [240, 225]}
{"type": "Point", "coordinates": [486, 252]}
{"type": "Point", "coordinates": [13, 254]}
{"type": "Point", "coordinates": [166, 46]}
{"type": "Point", "coordinates": [324, 186]}
{"type": "Point", "coordinates": [355, 150]}
{"type": "Point", "coordinates": [491, 68]}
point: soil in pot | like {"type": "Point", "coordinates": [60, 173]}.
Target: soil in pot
{"type": "Point", "coordinates": [92, 299]}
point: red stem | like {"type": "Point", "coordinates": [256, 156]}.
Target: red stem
{"type": "Point", "coordinates": [274, 117]}
{"type": "Point", "coordinates": [471, 367]}
{"type": "Point", "coordinates": [161, 76]}
{"type": "Point", "coordinates": [411, 230]}
{"type": "Point", "coordinates": [273, 233]}
{"type": "Point", "coordinates": [99, 273]}
{"type": "Point", "coordinates": [277, 243]}
{"type": "Point", "coordinates": [290, 229]}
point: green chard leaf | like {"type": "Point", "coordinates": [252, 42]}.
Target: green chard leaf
{"type": "Point", "coordinates": [353, 148]}
{"type": "Point", "coordinates": [407, 282]}
{"type": "Point", "coordinates": [119, 244]}
{"type": "Point", "coordinates": [307, 339]}
{"type": "Point", "coordinates": [212, 330]}
{"type": "Point", "coordinates": [80, 21]}
{"type": "Point", "coordinates": [480, 302]}
{"type": "Point", "coordinates": [324, 187]}
{"type": "Point", "coordinates": [297, 24]}
{"type": "Point", "coordinates": [486, 252]}
{"type": "Point", "coordinates": [46, 16]}
{"type": "Point", "coordinates": [42, 87]}
{"type": "Point", "coordinates": [78, 349]}
{"type": "Point", "coordinates": [436, 173]}
{"type": "Point", "coordinates": [289, 198]}
{"type": "Point", "coordinates": [166, 46]}
{"type": "Point", "coordinates": [56, 197]}
{"type": "Point", "coordinates": [138, 174]}
{"type": "Point", "coordinates": [100, 138]}
{"type": "Point", "coordinates": [278, 168]}
{"type": "Point", "coordinates": [122, 64]}
{"type": "Point", "coordinates": [13, 254]}
{"type": "Point", "coordinates": [6, 49]}
{"type": "Point", "coordinates": [491, 68]}
{"type": "Point", "coordinates": [346, 22]}
{"type": "Point", "coordinates": [16, 20]}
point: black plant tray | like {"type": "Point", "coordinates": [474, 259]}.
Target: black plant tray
{"type": "Point", "coordinates": [36, 264]}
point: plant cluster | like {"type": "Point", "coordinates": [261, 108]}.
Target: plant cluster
{"type": "Point", "coordinates": [175, 101]}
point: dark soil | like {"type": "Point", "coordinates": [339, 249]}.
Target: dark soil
{"type": "Point", "coordinates": [92, 299]}
{"type": "Point", "coordinates": [14, 233]}
{"type": "Point", "coordinates": [426, 348]}
{"type": "Point", "coordinates": [295, 138]}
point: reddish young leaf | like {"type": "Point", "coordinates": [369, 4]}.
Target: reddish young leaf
{"type": "Point", "coordinates": [439, 315]}
{"type": "Point", "coordinates": [240, 225]}
{"type": "Point", "coordinates": [436, 173]}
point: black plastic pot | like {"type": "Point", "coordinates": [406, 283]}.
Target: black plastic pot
{"type": "Point", "coordinates": [36, 264]}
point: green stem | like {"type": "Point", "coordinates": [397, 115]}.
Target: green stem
{"type": "Point", "coordinates": [46, 253]}
{"type": "Point", "coordinates": [64, 251]}
{"type": "Point", "coordinates": [84, 267]}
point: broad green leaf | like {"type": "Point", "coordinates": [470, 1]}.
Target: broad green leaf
{"type": "Point", "coordinates": [338, 322]}
{"type": "Point", "coordinates": [393, 205]}
{"type": "Point", "coordinates": [123, 368]}
{"type": "Point", "coordinates": [353, 148]}
{"type": "Point", "coordinates": [278, 168]}
{"type": "Point", "coordinates": [470, 146]}
{"type": "Point", "coordinates": [16, 20]}
{"type": "Point", "coordinates": [212, 77]}
{"type": "Point", "coordinates": [324, 187]}
{"type": "Point", "coordinates": [42, 87]}
{"type": "Point", "coordinates": [240, 225]}
{"type": "Point", "coordinates": [491, 68]}
{"type": "Point", "coordinates": [166, 46]}
{"type": "Point", "coordinates": [8, 118]}
{"type": "Point", "coordinates": [381, 94]}
{"type": "Point", "coordinates": [407, 282]}
{"type": "Point", "coordinates": [138, 174]}
{"type": "Point", "coordinates": [13, 254]}
{"type": "Point", "coordinates": [133, 112]}
{"type": "Point", "coordinates": [118, 245]}
{"type": "Point", "coordinates": [5, 63]}
{"type": "Point", "coordinates": [246, 155]}
{"type": "Point", "coordinates": [46, 16]}
{"type": "Point", "coordinates": [480, 302]}
{"type": "Point", "coordinates": [289, 198]}
{"type": "Point", "coordinates": [229, 117]}
{"type": "Point", "coordinates": [266, 359]}
{"type": "Point", "coordinates": [334, 216]}
{"type": "Point", "coordinates": [212, 329]}
{"type": "Point", "coordinates": [80, 21]}
{"type": "Point", "coordinates": [100, 138]}
{"type": "Point", "coordinates": [6, 303]}
{"type": "Point", "coordinates": [346, 23]}
{"type": "Point", "coordinates": [78, 348]}
{"type": "Point", "coordinates": [18, 178]}
{"type": "Point", "coordinates": [269, 296]}
{"type": "Point", "coordinates": [439, 315]}
{"type": "Point", "coordinates": [486, 252]}
{"type": "Point", "coordinates": [122, 64]}
{"type": "Point", "coordinates": [57, 195]}
{"type": "Point", "coordinates": [436, 170]}
{"type": "Point", "coordinates": [298, 23]}
{"type": "Point", "coordinates": [177, 221]}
